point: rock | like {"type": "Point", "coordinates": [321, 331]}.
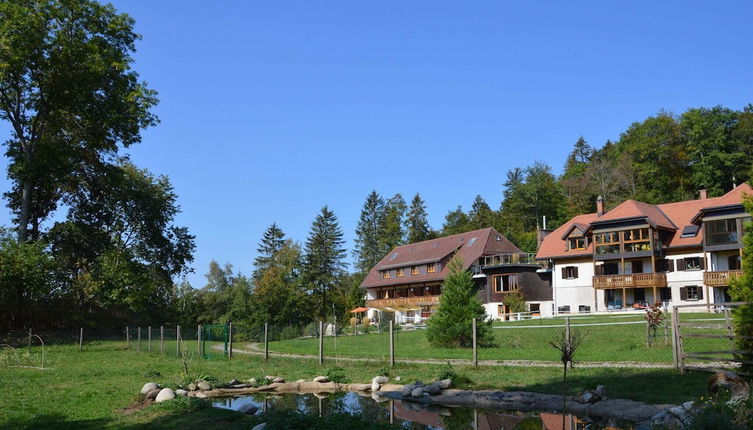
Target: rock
{"type": "Point", "coordinates": [300, 380]}
{"type": "Point", "coordinates": [181, 392]}
{"type": "Point", "coordinates": [234, 382]}
{"type": "Point", "coordinates": [261, 426]}
{"type": "Point", "coordinates": [252, 381]}
{"type": "Point", "coordinates": [444, 383]}
{"type": "Point", "coordinates": [418, 384]}
{"type": "Point", "coordinates": [164, 395]}
{"type": "Point", "coordinates": [601, 391]}
{"type": "Point", "coordinates": [270, 377]}
{"type": "Point", "coordinates": [397, 379]}
{"type": "Point", "coordinates": [380, 379]}
{"type": "Point", "coordinates": [151, 395]}
{"type": "Point", "coordinates": [203, 386]}
{"type": "Point", "coordinates": [321, 379]}
{"type": "Point", "coordinates": [191, 387]}
{"type": "Point", "coordinates": [201, 395]}
{"type": "Point", "coordinates": [688, 406]}
{"type": "Point", "coordinates": [248, 409]}
{"type": "Point", "coordinates": [587, 396]}
{"type": "Point", "coordinates": [433, 389]}
{"type": "Point", "coordinates": [407, 389]}
{"type": "Point", "coordinates": [278, 380]}
{"type": "Point", "coordinates": [417, 392]}
{"type": "Point", "coordinates": [374, 386]}
{"type": "Point", "coordinates": [149, 386]}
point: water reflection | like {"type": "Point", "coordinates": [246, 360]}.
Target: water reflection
{"type": "Point", "coordinates": [411, 415]}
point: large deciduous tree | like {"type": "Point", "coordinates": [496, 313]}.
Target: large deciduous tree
{"type": "Point", "coordinates": [70, 95]}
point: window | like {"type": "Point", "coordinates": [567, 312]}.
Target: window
{"type": "Point", "coordinates": [690, 263]}
{"type": "Point", "coordinates": [386, 274]}
{"type": "Point", "coordinates": [400, 272]}
{"type": "Point", "coordinates": [576, 243]}
{"type": "Point", "coordinates": [690, 231]}
{"type": "Point", "coordinates": [607, 243]}
{"type": "Point", "coordinates": [636, 266]}
{"type": "Point", "coordinates": [691, 292]}
{"type": "Point", "coordinates": [534, 308]}
{"type": "Point", "coordinates": [639, 295]}
{"type": "Point", "coordinates": [431, 268]}
{"type": "Point", "coordinates": [665, 294]}
{"type": "Point", "coordinates": [607, 269]}
{"type": "Point", "coordinates": [637, 239]}
{"type": "Point", "coordinates": [425, 311]}
{"type": "Point", "coordinates": [414, 270]}
{"type": "Point", "coordinates": [733, 262]}
{"type": "Point", "coordinates": [721, 232]}
{"type": "Point", "coordinates": [434, 290]}
{"type": "Point", "coordinates": [387, 294]}
{"type": "Point", "coordinates": [505, 283]}
{"type": "Point", "coordinates": [569, 272]}
{"type": "Point", "coordinates": [665, 265]}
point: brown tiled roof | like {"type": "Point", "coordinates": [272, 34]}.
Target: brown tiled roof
{"type": "Point", "coordinates": [671, 216]}
{"type": "Point", "coordinates": [469, 246]}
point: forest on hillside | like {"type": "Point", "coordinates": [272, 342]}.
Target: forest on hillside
{"type": "Point", "coordinates": [94, 241]}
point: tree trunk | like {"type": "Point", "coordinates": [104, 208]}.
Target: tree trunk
{"type": "Point", "coordinates": [23, 217]}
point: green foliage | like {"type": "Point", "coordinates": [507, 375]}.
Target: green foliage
{"type": "Point", "coordinates": [367, 250]}
{"type": "Point", "coordinates": [717, 413]}
{"type": "Point", "coordinates": [515, 302]}
{"type": "Point", "coordinates": [741, 290]}
{"type": "Point", "coordinates": [270, 245]}
{"type": "Point", "coordinates": [323, 261]}
{"type": "Point", "coordinates": [391, 233]}
{"type": "Point", "coordinates": [451, 325]}
{"type": "Point", "coordinates": [447, 371]}
{"type": "Point", "coordinates": [416, 221]}
{"type": "Point", "coordinates": [384, 321]}
{"type": "Point", "coordinates": [337, 374]}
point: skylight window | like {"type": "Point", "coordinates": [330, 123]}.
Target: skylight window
{"type": "Point", "coordinates": [393, 256]}
{"type": "Point", "coordinates": [690, 231]}
{"type": "Point", "coordinates": [472, 241]}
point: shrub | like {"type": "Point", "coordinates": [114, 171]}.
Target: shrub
{"type": "Point", "coordinates": [337, 374]}
{"type": "Point", "coordinates": [741, 289]}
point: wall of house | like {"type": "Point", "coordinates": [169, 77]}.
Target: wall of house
{"type": "Point", "coordinates": [573, 292]}
{"type": "Point", "coordinates": [684, 278]}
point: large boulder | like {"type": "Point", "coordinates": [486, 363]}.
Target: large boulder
{"type": "Point", "coordinates": [407, 389]}
{"type": "Point", "coordinates": [374, 386]}
{"type": "Point", "coordinates": [149, 386]}
{"type": "Point", "coordinates": [164, 395]}
{"type": "Point", "coordinates": [417, 392]}
{"type": "Point", "coordinates": [444, 383]}
{"type": "Point", "coordinates": [203, 386]}
{"type": "Point", "coordinates": [433, 389]}
{"type": "Point", "coordinates": [248, 409]}
{"type": "Point", "coordinates": [321, 379]}
{"type": "Point", "coordinates": [151, 395]}
{"type": "Point", "coordinates": [380, 379]}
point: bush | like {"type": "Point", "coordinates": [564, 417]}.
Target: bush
{"type": "Point", "coordinates": [448, 372]}
{"type": "Point", "coordinates": [337, 374]}
{"type": "Point", "coordinates": [384, 321]}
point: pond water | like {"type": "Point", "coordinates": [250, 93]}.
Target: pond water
{"type": "Point", "coordinates": [411, 415]}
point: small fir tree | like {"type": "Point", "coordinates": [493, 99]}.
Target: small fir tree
{"type": "Point", "coordinates": [452, 324]}
{"type": "Point", "coordinates": [741, 290]}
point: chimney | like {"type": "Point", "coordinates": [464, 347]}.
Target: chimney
{"type": "Point", "coordinates": [600, 206]}
{"type": "Point", "coordinates": [703, 194]}
{"type": "Point", "coordinates": [541, 233]}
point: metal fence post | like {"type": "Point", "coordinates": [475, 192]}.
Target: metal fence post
{"type": "Point", "coordinates": [321, 342]}
{"type": "Point", "coordinates": [138, 339]}
{"type": "Point", "coordinates": [128, 339]}
{"type": "Point", "coordinates": [266, 341]}
{"type": "Point", "coordinates": [161, 339]}
{"type": "Point", "coordinates": [230, 340]}
{"type": "Point", "coordinates": [177, 340]}
{"type": "Point", "coordinates": [475, 344]}
{"type": "Point", "coordinates": [392, 345]}
{"type": "Point", "coordinates": [198, 339]}
{"type": "Point", "coordinates": [81, 340]}
{"type": "Point", "coordinates": [149, 338]}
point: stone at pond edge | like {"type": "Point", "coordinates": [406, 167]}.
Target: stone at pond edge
{"type": "Point", "coordinates": [151, 395]}
{"type": "Point", "coordinates": [191, 387]}
{"type": "Point", "coordinates": [248, 409]}
{"type": "Point", "coordinates": [181, 392]}
{"type": "Point", "coordinates": [252, 381]}
{"type": "Point", "coordinates": [444, 383]}
{"type": "Point", "coordinates": [601, 391]}
{"type": "Point", "coordinates": [433, 389]}
{"type": "Point", "coordinates": [278, 380]}
{"type": "Point", "coordinates": [374, 386]}
{"type": "Point", "coordinates": [417, 392]}
{"type": "Point", "coordinates": [164, 395]}
{"type": "Point", "coordinates": [204, 386]}
{"type": "Point", "coordinates": [234, 382]}
{"type": "Point", "coordinates": [300, 380]}
{"type": "Point", "coordinates": [397, 379]}
{"type": "Point", "coordinates": [149, 386]}
{"type": "Point", "coordinates": [261, 426]}
{"type": "Point", "coordinates": [321, 379]}
{"type": "Point", "coordinates": [407, 389]}
{"type": "Point", "coordinates": [380, 379]}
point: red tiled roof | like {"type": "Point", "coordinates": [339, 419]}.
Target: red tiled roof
{"type": "Point", "coordinates": [671, 216]}
{"type": "Point", "coordinates": [469, 246]}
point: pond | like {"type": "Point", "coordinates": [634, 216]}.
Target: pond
{"type": "Point", "coordinates": [411, 415]}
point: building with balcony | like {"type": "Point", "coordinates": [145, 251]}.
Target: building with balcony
{"type": "Point", "coordinates": [637, 254]}
{"type": "Point", "coordinates": [408, 281]}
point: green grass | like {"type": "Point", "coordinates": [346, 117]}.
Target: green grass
{"type": "Point", "coordinates": [520, 340]}
{"type": "Point", "coordinates": [92, 389]}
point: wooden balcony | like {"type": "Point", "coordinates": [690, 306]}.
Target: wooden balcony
{"type": "Point", "coordinates": [636, 280]}
{"type": "Point", "coordinates": [720, 278]}
{"type": "Point", "coordinates": [402, 302]}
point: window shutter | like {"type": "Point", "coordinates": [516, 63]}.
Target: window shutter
{"type": "Point", "coordinates": [599, 269]}
{"type": "Point", "coordinates": [564, 273]}
{"type": "Point", "coordinates": [681, 265]}
{"type": "Point", "coordinates": [700, 292]}
{"type": "Point", "coordinates": [683, 293]}
{"type": "Point", "coordinates": [670, 265]}
{"type": "Point", "coordinates": [575, 271]}
{"type": "Point", "coordinates": [703, 263]}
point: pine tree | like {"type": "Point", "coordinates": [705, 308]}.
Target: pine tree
{"type": "Point", "coordinates": [416, 222]}
{"type": "Point", "coordinates": [271, 243]}
{"type": "Point", "coordinates": [741, 290]}
{"type": "Point", "coordinates": [481, 215]}
{"type": "Point", "coordinates": [452, 324]}
{"type": "Point", "coordinates": [324, 259]}
{"type": "Point", "coordinates": [368, 232]}
{"type": "Point", "coordinates": [456, 222]}
{"type": "Point", "coordinates": [391, 230]}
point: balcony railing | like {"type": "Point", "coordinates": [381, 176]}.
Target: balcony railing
{"type": "Point", "coordinates": [721, 278]}
{"type": "Point", "coordinates": [509, 258]}
{"type": "Point", "coordinates": [403, 302]}
{"type": "Point", "coordinates": [636, 280]}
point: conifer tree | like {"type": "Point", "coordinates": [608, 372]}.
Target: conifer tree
{"type": "Point", "coordinates": [416, 222]}
{"type": "Point", "coordinates": [481, 215]}
{"type": "Point", "coordinates": [456, 222]}
{"type": "Point", "coordinates": [452, 324]}
{"type": "Point", "coordinates": [271, 243]}
{"type": "Point", "coordinates": [741, 290]}
{"type": "Point", "coordinates": [368, 232]}
{"type": "Point", "coordinates": [324, 259]}
{"type": "Point", "coordinates": [391, 230]}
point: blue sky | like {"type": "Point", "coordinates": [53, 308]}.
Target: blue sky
{"type": "Point", "coordinates": [271, 110]}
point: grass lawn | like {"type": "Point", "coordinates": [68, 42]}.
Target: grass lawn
{"type": "Point", "coordinates": [521, 340]}
{"type": "Point", "coordinates": [98, 388]}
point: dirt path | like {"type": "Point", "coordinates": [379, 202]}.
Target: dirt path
{"type": "Point", "coordinates": [255, 349]}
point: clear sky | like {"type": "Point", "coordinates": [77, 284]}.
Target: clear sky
{"type": "Point", "coordinates": [272, 109]}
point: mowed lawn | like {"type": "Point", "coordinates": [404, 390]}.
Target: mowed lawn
{"type": "Point", "coordinates": [622, 338]}
{"type": "Point", "coordinates": [97, 388]}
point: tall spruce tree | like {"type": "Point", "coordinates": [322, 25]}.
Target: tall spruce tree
{"type": "Point", "coordinates": [416, 221]}
{"type": "Point", "coordinates": [456, 222]}
{"type": "Point", "coordinates": [391, 230]}
{"type": "Point", "coordinates": [271, 243]}
{"type": "Point", "coordinates": [323, 259]}
{"type": "Point", "coordinates": [452, 325]}
{"type": "Point", "coordinates": [367, 250]}
{"type": "Point", "coordinates": [741, 290]}
{"type": "Point", "coordinates": [481, 215]}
